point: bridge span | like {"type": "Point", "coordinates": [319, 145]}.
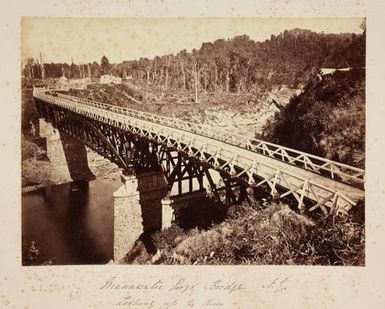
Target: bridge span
{"type": "Point", "coordinates": [255, 162]}
{"type": "Point", "coordinates": [142, 142]}
{"type": "Point", "coordinates": [283, 171]}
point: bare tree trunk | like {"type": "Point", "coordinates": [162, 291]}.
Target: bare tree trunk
{"type": "Point", "coordinates": [160, 78]}
{"type": "Point", "coordinates": [196, 85]}
{"type": "Point", "coordinates": [168, 62]}
{"type": "Point", "coordinates": [206, 78]}
{"type": "Point", "coordinates": [216, 78]}
{"type": "Point", "coordinates": [240, 84]}
{"type": "Point", "coordinates": [154, 74]}
{"type": "Point", "coordinates": [228, 80]}
{"type": "Point", "coordinates": [183, 75]}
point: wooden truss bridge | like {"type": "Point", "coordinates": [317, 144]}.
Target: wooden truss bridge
{"type": "Point", "coordinates": [185, 151]}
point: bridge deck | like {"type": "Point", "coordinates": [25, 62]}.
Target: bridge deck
{"type": "Point", "coordinates": [354, 193]}
{"type": "Point", "coordinates": [220, 154]}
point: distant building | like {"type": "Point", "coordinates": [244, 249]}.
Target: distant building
{"type": "Point", "coordinates": [108, 79]}
{"type": "Point", "coordinates": [63, 84]}
{"type": "Point", "coordinates": [105, 79]}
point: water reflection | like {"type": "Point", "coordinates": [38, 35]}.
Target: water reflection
{"type": "Point", "coordinates": [71, 223]}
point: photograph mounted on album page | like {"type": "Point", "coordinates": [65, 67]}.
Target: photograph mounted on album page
{"type": "Point", "coordinates": [185, 160]}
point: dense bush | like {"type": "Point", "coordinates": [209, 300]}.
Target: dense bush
{"type": "Point", "coordinates": [29, 113]}
{"type": "Point", "coordinates": [327, 119]}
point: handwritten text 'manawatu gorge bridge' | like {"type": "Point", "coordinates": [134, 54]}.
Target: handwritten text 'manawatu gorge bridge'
{"type": "Point", "coordinates": [165, 153]}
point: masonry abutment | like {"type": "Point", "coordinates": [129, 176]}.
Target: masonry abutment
{"type": "Point", "coordinates": [127, 217]}
{"type": "Point", "coordinates": [137, 209]}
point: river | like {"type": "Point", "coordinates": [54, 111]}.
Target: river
{"type": "Point", "coordinates": [71, 223]}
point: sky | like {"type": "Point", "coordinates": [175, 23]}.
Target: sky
{"type": "Point", "coordinates": [88, 39]}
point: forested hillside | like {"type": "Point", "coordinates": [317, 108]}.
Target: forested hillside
{"type": "Point", "coordinates": [234, 65]}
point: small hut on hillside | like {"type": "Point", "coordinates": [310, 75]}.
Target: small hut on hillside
{"type": "Point", "coordinates": [108, 79]}
{"type": "Point", "coordinates": [105, 79]}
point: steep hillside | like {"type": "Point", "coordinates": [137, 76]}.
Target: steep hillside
{"type": "Point", "coordinates": [242, 113]}
{"type": "Point", "coordinates": [327, 119]}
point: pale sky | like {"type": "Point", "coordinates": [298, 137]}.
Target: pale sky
{"type": "Point", "coordinates": [88, 39]}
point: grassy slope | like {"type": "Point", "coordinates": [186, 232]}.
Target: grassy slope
{"type": "Point", "coordinates": [264, 236]}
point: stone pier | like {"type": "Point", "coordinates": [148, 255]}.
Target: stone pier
{"type": "Point", "coordinates": [173, 205]}
{"type": "Point", "coordinates": [127, 217]}
{"type": "Point", "coordinates": [137, 209]}
{"type": "Point", "coordinates": [152, 187]}
{"type": "Point", "coordinates": [67, 155]}
{"type": "Point", "coordinates": [55, 152]}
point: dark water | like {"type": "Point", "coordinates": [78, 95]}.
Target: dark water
{"type": "Point", "coordinates": [73, 223]}
{"type": "Point", "coordinates": [70, 223]}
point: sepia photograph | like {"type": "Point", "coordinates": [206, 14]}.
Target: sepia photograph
{"type": "Point", "coordinates": [193, 141]}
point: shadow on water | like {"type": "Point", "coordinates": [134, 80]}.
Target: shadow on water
{"type": "Point", "coordinates": [81, 238]}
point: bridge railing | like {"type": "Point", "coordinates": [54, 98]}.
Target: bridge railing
{"type": "Point", "coordinates": [332, 169]}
